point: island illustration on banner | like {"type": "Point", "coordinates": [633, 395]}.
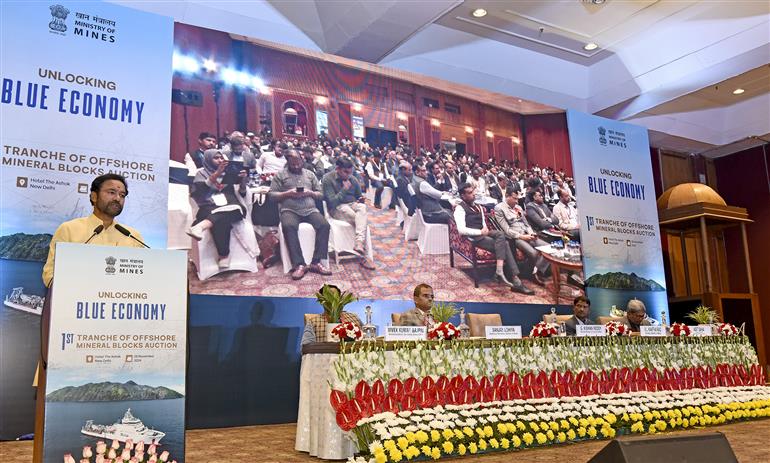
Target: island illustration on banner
{"type": "Point", "coordinates": [143, 408]}
{"type": "Point", "coordinates": [613, 280]}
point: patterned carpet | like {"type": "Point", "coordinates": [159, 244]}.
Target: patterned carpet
{"type": "Point", "coordinates": [400, 267]}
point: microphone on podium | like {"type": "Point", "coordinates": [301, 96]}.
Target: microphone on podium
{"type": "Point", "coordinates": [125, 231]}
{"type": "Point", "coordinates": [97, 230]}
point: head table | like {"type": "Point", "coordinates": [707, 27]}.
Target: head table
{"type": "Point", "coordinates": [430, 399]}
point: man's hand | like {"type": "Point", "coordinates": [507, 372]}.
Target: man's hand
{"type": "Point", "coordinates": [347, 184]}
{"type": "Point", "coordinates": [484, 231]}
{"type": "Point", "coordinates": [316, 194]}
{"type": "Point", "coordinates": [361, 199]}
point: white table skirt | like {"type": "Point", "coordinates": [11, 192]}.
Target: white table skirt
{"type": "Point", "coordinates": [317, 430]}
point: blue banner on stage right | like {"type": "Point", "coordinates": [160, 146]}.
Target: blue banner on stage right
{"type": "Point", "coordinates": [619, 231]}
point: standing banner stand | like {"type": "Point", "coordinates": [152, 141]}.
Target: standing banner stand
{"type": "Point", "coordinates": [116, 351]}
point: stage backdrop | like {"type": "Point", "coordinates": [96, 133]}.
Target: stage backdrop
{"type": "Point", "coordinates": [618, 214]}
{"type": "Point", "coordinates": [85, 90]}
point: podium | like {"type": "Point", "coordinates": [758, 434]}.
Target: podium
{"type": "Point", "coordinates": [114, 351]}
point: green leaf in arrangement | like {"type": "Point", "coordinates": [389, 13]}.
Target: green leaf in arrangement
{"type": "Point", "coordinates": [704, 315]}
{"type": "Point", "coordinates": [333, 302]}
{"type": "Point", "coordinates": [443, 311]}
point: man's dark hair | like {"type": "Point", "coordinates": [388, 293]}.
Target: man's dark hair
{"type": "Point", "coordinates": [205, 135]}
{"type": "Point", "coordinates": [510, 191]}
{"type": "Point", "coordinates": [96, 185]}
{"type": "Point", "coordinates": [582, 299]}
{"type": "Point", "coordinates": [419, 287]}
{"type": "Point", "coordinates": [344, 163]}
{"type": "Point", "coordinates": [463, 187]}
{"type": "Point", "coordinates": [330, 286]}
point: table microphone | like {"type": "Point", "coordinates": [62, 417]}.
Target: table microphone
{"type": "Point", "coordinates": [125, 231]}
{"type": "Point", "coordinates": [97, 230]}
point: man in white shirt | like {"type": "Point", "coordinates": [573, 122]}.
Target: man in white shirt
{"type": "Point", "coordinates": [272, 163]}
{"type": "Point", "coordinates": [567, 215]}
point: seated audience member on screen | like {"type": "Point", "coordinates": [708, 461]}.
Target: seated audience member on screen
{"type": "Point", "coordinates": [636, 313]}
{"type": "Point", "coordinates": [513, 222]}
{"type": "Point", "coordinates": [108, 195]}
{"type": "Point", "coordinates": [423, 301]}
{"type": "Point", "coordinates": [581, 308]}
{"type": "Point", "coordinates": [345, 202]}
{"type": "Point", "coordinates": [471, 222]}
{"type": "Point", "coordinates": [567, 215]}
{"type": "Point", "coordinates": [538, 213]}
{"type": "Point", "coordinates": [403, 181]}
{"type": "Point", "coordinates": [296, 190]}
{"type": "Point", "coordinates": [315, 328]}
{"type": "Point", "coordinates": [194, 160]}
{"type": "Point", "coordinates": [218, 206]}
{"type": "Point", "coordinates": [428, 198]}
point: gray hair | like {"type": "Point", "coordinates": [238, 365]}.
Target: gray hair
{"type": "Point", "coordinates": [635, 305]}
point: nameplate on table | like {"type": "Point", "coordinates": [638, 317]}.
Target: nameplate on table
{"type": "Point", "coordinates": [503, 332]}
{"type": "Point", "coordinates": [590, 330]}
{"type": "Point", "coordinates": [405, 333]}
{"type": "Point", "coordinates": [655, 330]}
{"type": "Point", "coordinates": [701, 330]}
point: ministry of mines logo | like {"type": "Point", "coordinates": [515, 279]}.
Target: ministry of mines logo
{"type": "Point", "coordinates": [602, 135]}
{"type": "Point", "coordinates": [110, 261]}
{"type": "Point", "coordinates": [58, 16]}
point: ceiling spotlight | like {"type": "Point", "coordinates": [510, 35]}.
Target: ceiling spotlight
{"type": "Point", "coordinates": [210, 65]}
{"type": "Point", "coordinates": [590, 46]}
{"type": "Point", "coordinates": [594, 2]}
{"type": "Point", "coordinates": [738, 91]}
{"type": "Point", "coordinates": [479, 13]}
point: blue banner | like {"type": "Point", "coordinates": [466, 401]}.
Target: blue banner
{"type": "Point", "coordinates": [619, 230]}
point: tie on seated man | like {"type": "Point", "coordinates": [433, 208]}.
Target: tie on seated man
{"type": "Point", "coordinates": [345, 201]}
{"type": "Point", "coordinates": [315, 328]}
{"type": "Point", "coordinates": [419, 315]}
{"type": "Point", "coordinates": [296, 190]}
{"type": "Point", "coordinates": [636, 315]}
{"type": "Point", "coordinates": [512, 220]}
{"type": "Point", "coordinates": [471, 222]}
{"type": "Point", "coordinates": [581, 308]}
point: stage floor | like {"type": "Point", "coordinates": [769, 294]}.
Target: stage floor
{"type": "Point", "coordinates": [275, 443]}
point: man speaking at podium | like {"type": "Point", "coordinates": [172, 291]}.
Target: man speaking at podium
{"type": "Point", "coordinates": [108, 194]}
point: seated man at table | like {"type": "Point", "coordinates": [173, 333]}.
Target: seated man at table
{"type": "Point", "coordinates": [342, 193]}
{"type": "Point", "coordinates": [581, 308]}
{"type": "Point", "coordinates": [636, 314]}
{"type": "Point", "coordinates": [513, 222]}
{"type": "Point", "coordinates": [296, 191]}
{"type": "Point", "coordinates": [471, 222]}
{"type": "Point", "coordinates": [315, 328]}
{"type": "Point", "coordinates": [423, 301]}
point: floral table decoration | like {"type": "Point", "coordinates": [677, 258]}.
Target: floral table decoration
{"type": "Point", "coordinates": [429, 400]}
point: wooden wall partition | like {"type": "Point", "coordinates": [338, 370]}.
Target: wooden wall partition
{"type": "Point", "coordinates": [547, 141]}
{"type": "Point", "coordinates": [338, 89]}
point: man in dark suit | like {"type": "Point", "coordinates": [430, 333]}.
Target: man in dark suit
{"type": "Point", "coordinates": [403, 181]}
{"type": "Point", "coordinates": [581, 308]}
{"type": "Point", "coordinates": [436, 178]}
{"type": "Point", "coordinates": [538, 213]}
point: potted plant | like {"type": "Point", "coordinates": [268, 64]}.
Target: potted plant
{"type": "Point", "coordinates": [704, 315]}
{"type": "Point", "coordinates": [333, 302]}
{"type": "Point", "coordinates": [441, 312]}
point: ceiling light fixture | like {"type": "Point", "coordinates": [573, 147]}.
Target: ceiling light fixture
{"type": "Point", "coordinates": [590, 46]}
{"type": "Point", "coordinates": [738, 91]}
{"type": "Point", "coordinates": [479, 13]}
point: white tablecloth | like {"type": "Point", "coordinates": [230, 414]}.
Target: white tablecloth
{"type": "Point", "coordinates": [317, 430]}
